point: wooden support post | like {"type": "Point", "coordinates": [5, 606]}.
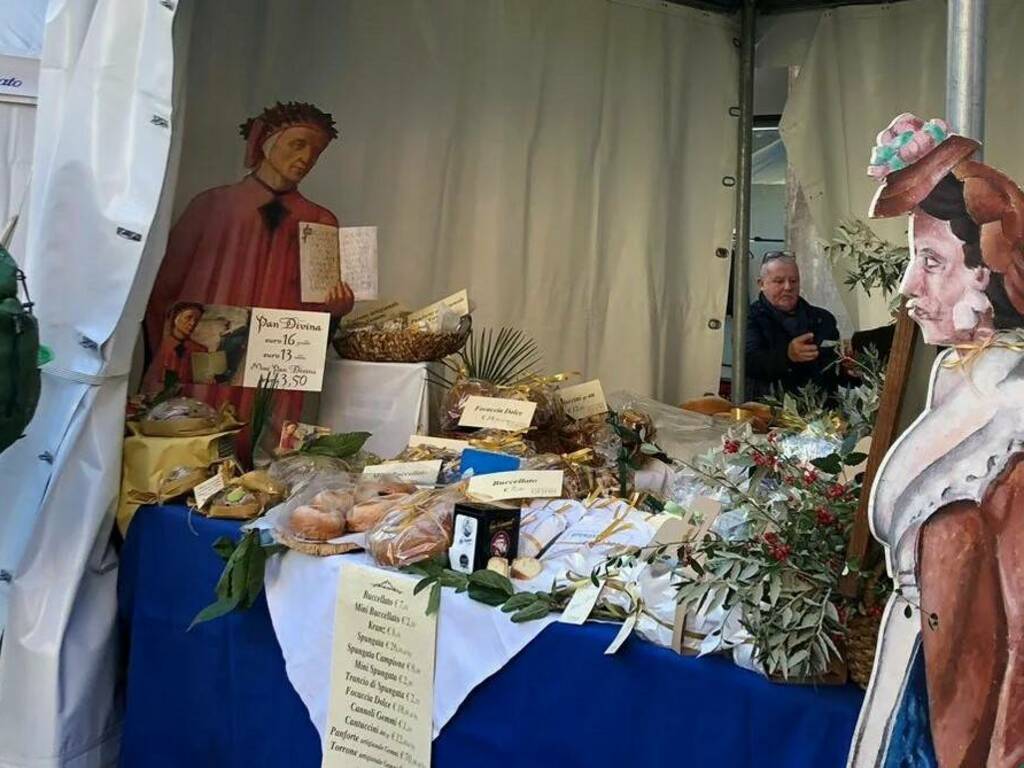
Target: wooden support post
{"type": "Point", "coordinates": [882, 437]}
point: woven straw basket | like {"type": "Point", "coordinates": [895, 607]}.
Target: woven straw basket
{"type": "Point", "coordinates": [316, 548]}
{"type": "Point", "coordinates": [410, 345]}
{"type": "Point", "coordinates": [860, 648]}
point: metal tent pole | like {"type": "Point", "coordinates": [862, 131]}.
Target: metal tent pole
{"type": "Point", "coordinates": [965, 67]}
{"type": "Point", "coordinates": [741, 244]}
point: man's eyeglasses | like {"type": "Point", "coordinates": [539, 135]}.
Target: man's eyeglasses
{"type": "Point", "coordinates": [775, 255]}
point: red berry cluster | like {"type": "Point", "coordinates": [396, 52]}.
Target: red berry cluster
{"type": "Point", "coordinates": [776, 548]}
{"type": "Point", "coordinates": [764, 460]}
{"type": "Point", "coordinates": [836, 491]}
{"type": "Point", "coordinates": [731, 446]}
{"type": "Point", "coordinates": [810, 477]}
{"type": "Point", "coordinates": [824, 516]}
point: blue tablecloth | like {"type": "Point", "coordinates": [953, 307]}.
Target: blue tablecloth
{"type": "Point", "coordinates": [218, 695]}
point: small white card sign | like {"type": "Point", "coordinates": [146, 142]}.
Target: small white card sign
{"type": "Point", "coordinates": [583, 400]}
{"type": "Point", "coordinates": [415, 472]}
{"type": "Point", "coordinates": [497, 413]}
{"type": "Point", "coordinates": [207, 489]}
{"type": "Point", "coordinates": [522, 484]}
{"type": "Point", "coordinates": [457, 303]}
{"type": "Point", "coordinates": [287, 348]}
{"type": "Point", "coordinates": [382, 673]}
{"type": "Point", "coordinates": [328, 255]}
{"type": "Point", "coordinates": [582, 603]}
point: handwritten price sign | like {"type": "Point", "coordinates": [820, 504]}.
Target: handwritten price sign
{"type": "Point", "coordinates": [287, 348]}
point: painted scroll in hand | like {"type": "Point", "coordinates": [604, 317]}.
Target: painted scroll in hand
{"type": "Point", "coordinates": [359, 260]}
{"type": "Point", "coordinates": [319, 260]}
{"type": "Point", "coordinates": [328, 255]}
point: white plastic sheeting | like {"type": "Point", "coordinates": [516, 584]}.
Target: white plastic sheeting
{"type": "Point", "coordinates": [96, 230]}
{"type": "Point", "coordinates": [21, 27]}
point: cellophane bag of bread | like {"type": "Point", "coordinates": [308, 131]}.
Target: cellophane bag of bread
{"type": "Point", "coordinates": [578, 479]}
{"type": "Point", "coordinates": [681, 434]}
{"type": "Point", "coordinates": [375, 496]}
{"type": "Point", "coordinates": [298, 470]}
{"type": "Point", "coordinates": [418, 528]}
{"type": "Point", "coordinates": [184, 417]}
{"type": "Point", "coordinates": [593, 432]}
{"type": "Point", "coordinates": [451, 461]}
{"type": "Point", "coordinates": [317, 512]}
{"type": "Point", "coordinates": [498, 441]}
{"type": "Point", "coordinates": [454, 401]}
{"type": "Point", "coordinates": [245, 497]}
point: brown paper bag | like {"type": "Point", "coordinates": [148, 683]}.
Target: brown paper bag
{"type": "Point", "coordinates": [147, 461]}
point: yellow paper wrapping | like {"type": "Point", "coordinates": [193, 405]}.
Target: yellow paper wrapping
{"type": "Point", "coordinates": [147, 460]}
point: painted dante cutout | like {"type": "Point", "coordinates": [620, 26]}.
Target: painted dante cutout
{"type": "Point", "coordinates": [238, 245]}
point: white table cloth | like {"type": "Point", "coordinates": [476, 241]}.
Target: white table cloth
{"type": "Point", "coordinates": [473, 640]}
{"type": "Point", "coordinates": [388, 400]}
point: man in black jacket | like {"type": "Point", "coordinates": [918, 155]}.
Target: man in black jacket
{"type": "Point", "coordinates": [790, 343]}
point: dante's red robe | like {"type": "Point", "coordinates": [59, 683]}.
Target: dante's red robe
{"type": "Point", "coordinates": [222, 251]}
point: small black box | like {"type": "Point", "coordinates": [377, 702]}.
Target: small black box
{"type": "Point", "coordinates": [480, 532]}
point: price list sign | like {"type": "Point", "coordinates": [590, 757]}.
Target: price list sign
{"type": "Point", "coordinates": [287, 348]}
{"type": "Point", "coordinates": [382, 673]}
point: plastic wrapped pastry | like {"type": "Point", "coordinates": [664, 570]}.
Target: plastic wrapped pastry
{"type": "Point", "coordinates": [180, 417]}
{"type": "Point", "coordinates": [415, 529]}
{"type": "Point", "coordinates": [179, 481]}
{"type": "Point", "coordinates": [578, 479]}
{"type": "Point", "coordinates": [450, 460]}
{"type": "Point", "coordinates": [323, 518]}
{"type": "Point", "coordinates": [455, 399]}
{"type": "Point", "coordinates": [236, 503]}
{"type": "Point", "coordinates": [374, 499]}
{"type": "Point", "coordinates": [297, 471]}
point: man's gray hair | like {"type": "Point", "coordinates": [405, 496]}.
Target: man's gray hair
{"type": "Point", "coordinates": [783, 258]}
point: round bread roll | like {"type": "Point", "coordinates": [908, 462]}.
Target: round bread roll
{"type": "Point", "coordinates": [316, 524]}
{"type": "Point", "coordinates": [371, 490]}
{"type": "Point", "coordinates": [364, 515]}
{"type": "Point", "coordinates": [337, 499]}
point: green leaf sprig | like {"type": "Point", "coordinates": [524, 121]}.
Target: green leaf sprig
{"type": "Point", "coordinates": [482, 586]}
{"type": "Point", "coordinates": [241, 581]}
{"type": "Point", "coordinates": [340, 446]}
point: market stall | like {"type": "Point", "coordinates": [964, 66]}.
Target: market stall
{"type": "Point", "coordinates": [320, 560]}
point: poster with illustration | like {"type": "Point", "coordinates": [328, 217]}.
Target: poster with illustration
{"type": "Point", "coordinates": [296, 435]}
{"type": "Point", "coordinates": [947, 688]}
{"type": "Point", "coordinates": [203, 344]}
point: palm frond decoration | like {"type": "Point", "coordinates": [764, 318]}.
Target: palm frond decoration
{"type": "Point", "coordinates": [500, 358]}
{"type": "Point", "coordinates": [262, 407]}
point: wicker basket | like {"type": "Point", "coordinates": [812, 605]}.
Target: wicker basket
{"type": "Point", "coordinates": [316, 548]}
{"type": "Point", "coordinates": [860, 648]}
{"type": "Point", "coordinates": [410, 345]}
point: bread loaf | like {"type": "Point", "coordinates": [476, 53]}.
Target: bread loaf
{"type": "Point", "coordinates": [316, 523]}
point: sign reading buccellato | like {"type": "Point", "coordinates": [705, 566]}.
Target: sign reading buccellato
{"type": "Point", "coordinates": [19, 77]}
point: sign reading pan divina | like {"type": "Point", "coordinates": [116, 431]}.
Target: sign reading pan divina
{"type": "Point", "coordinates": [19, 78]}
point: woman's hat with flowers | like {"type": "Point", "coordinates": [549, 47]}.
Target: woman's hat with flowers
{"type": "Point", "coordinates": [910, 157]}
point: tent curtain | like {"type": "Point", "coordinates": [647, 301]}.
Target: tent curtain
{"type": "Point", "coordinates": [96, 228]}
{"type": "Point", "coordinates": [864, 66]}
{"type": "Point", "coordinates": [561, 160]}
